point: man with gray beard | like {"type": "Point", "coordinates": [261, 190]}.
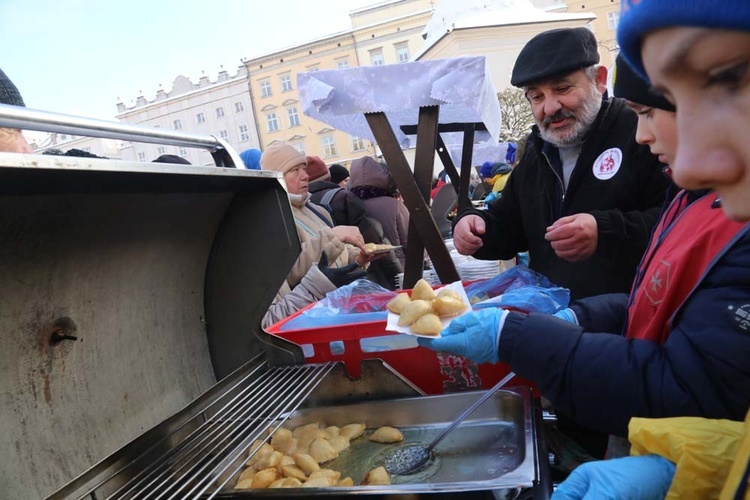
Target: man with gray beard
{"type": "Point", "coordinates": [585, 196]}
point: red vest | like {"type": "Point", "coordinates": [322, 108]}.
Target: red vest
{"type": "Point", "coordinates": [686, 241]}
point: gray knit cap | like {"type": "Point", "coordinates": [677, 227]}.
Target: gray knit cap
{"type": "Point", "coordinates": [8, 92]}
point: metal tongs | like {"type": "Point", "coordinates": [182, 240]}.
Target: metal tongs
{"type": "Point", "coordinates": [411, 459]}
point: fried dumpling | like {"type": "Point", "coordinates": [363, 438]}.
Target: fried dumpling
{"type": "Point", "coordinates": [449, 292]}
{"type": "Point", "coordinates": [397, 304]}
{"type": "Point", "coordinates": [279, 483]}
{"type": "Point", "coordinates": [387, 434]}
{"type": "Point", "coordinates": [269, 460]}
{"type": "Point", "coordinates": [292, 471]}
{"type": "Point", "coordinates": [291, 482]}
{"type": "Point", "coordinates": [264, 450]}
{"type": "Point", "coordinates": [318, 482]}
{"type": "Point", "coordinates": [245, 484]}
{"type": "Point", "coordinates": [322, 451]}
{"type": "Point", "coordinates": [347, 481]}
{"type": "Point", "coordinates": [377, 475]}
{"type": "Point", "coordinates": [448, 306]}
{"type": "Point", "coordinates": [306, 463]}
{"type": "Point", "coordinates": [264, 478]}
{"type": "Point", "coordinates": [339, 443]}
{"type": "Point", "coordinates": [412, 312]}
{"type": "Point", "coordinates": [429, 324]}
{"type": "Point", "coordinates": [352, 431]}
{"type": "Point", "coordinates": [332, 430]}
{"type": "Point", "coordinates": [246, 474]}
{"type": "Point", "coordinates": [329, 473]}
{"type": "Point", "coordinates": [422, 291]}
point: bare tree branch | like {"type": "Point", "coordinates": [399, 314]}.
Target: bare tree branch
{"type": "Point", "coordinates": [517, 117]}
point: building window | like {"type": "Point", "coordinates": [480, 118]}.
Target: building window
{"type": "Point", "coordinates": [141, 156]}
{"type": "Point", "coordinates": [613, 19]}
{"type": "Point", "coordinates": [358, 144]}
{"type": "Point", "coordinates": [286, 83]}
{"type": "Point", "coordinates": [239, 107]}
{"type": "Point", "coordinates": [201, 118]}
{"type": "Point", "coordinates": [177, 124]}
{"type": "Point", "coordinates": [272, 122]}
{"type": "Point", "coordinates": [402, 52]}
{"type": "Point", "coordinates": [244, 134]}
{"type": "Point", "coordinates": [376, 57]}
{"type": "Point", "coordinates": [219, 112]}
{"type": "Point", "coordinates": [223, 135]}
{"type": "Point", "coordinates": [299, 147]}
{"type": "Point", "coordinates": [161, 150]}
{"type": "Point", "coordinates": [342, 63]}
{"type": "Point", "coordinates": [183, 152]}
{"type": "Point", "coordinates": [293, 117]}
{"type": "Point", "coordinates": [314, 67]}
{"type": "Point", "coordinates": [265, 88]}
{"type": "Point", "coordinates": [329, 146]}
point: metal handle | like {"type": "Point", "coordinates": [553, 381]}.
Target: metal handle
{"type": "Point", "coordinates": [468, 411]}
{"type": "Point", "coordinates": [45, 121]}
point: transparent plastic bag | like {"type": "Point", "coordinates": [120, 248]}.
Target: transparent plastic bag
{"type": "Point", "coordinates": [360, 296]}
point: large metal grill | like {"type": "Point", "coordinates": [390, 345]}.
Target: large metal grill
{"type": "Point", "coordinates": [212, 445]}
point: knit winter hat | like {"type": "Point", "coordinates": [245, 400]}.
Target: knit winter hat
{"type": "Point", "coordinates": [629, 85]}
{"type": "Point", "coordinates": [485, 171]}
{"type": "Point", "coordinates": [281, 157]}
{"type": "Point", "coordinates": [316, 169]}
{"type": "Point", "coordinates": [338, 173]}
{"type": "Point", "coordinates": [251, 159]}
{"type": "Point", "coordinates": [8, 92]}
{"type": "Point", "coordinates": [640, 17]}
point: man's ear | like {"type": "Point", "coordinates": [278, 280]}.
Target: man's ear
{"type": "Point", "coordinates": [601, 79]}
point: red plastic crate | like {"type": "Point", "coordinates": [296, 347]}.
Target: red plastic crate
{"type": "Point", "coordinates": [433, 373]}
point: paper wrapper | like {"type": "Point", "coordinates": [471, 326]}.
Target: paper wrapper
{"type": "Point", "coordinates": [392, 324]}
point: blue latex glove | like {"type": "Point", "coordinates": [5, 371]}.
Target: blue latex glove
{"type": "Point", "coordinates": [567, 314]}
{"type": "Point", "coordinates": [473, 335]}
{"type": "Point", "coordinates": [491, 197]}
{"type": "Point", "coordinates": [638, 478]}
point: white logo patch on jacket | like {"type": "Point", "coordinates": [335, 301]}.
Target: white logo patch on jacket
{"type": "Point", "coordinates": [607, 164]}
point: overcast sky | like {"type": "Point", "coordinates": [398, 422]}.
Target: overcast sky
{"type": "Point", "coordinates": [79, 56]}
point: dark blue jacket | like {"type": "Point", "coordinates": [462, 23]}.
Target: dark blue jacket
{"type": "Point", "coordinates": [603, 379]}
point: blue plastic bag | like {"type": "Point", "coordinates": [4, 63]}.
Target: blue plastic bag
{"type": "Point", "coordinates": [520, 288]}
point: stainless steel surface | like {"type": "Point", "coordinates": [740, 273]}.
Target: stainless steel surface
{"type": "Point", "coordinates": [45, 121]}
{"type": "Point", "coordinates": [127, 259]}
{"type": "Point", "coordinates": [494, 449]}
{"type": "Point", "coordinates": [414, 458]}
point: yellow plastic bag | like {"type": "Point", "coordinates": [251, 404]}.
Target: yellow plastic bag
{"type": "Point", "coordinates": [703, 451]}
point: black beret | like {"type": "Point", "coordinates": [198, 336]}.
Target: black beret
{"type": "Point", "coordinates": [553, 53]}
{"type": "Point", "coordinates": [629, 85]}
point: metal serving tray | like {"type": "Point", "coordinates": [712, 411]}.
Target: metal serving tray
{"type": "Point", "coordinates": [493, 449]}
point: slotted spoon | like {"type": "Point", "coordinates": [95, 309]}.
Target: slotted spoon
{"type": "Point", "coordinates": [411, 459]}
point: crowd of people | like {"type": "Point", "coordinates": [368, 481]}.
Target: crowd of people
{"type": "Point", "coordinates": [638, 203]}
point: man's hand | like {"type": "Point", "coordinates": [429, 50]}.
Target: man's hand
{"type": "Point", "coordinates": [467, 234]}
{"type": "Point", "coordinates": [473, 335]}
{"type": "Point", "coordinates": [574, 237]}
{"type": "Point", "coordinates": [351, 235]}
{"type": "Point", "coordinates": [646, 478]}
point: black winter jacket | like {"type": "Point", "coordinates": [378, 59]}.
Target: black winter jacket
{"type": "Point", "coordinates": [625, 206]}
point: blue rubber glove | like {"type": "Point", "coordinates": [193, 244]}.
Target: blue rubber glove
{"type": "Point", "coordinates": [567, 314]}
{"type": "Point", "coordinates": [473, 335]}
{"type": "Point", "coordinates": [638, 478]}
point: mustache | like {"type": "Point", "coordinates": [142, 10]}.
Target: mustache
{"type": "Point", "coordinates": [563, 113]}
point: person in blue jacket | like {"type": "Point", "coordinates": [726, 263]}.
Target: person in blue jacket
{"type": "Point", "coordinates": [685, 344]}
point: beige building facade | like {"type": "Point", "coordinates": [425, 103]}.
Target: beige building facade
{"type": "Point", "coordinates": [384, 33]}
{"type": "Point", "coordinates": [221, 108]}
